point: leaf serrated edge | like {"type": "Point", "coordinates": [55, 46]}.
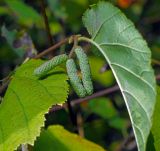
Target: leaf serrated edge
{"type": "Point", "coordinates": [43, 119]}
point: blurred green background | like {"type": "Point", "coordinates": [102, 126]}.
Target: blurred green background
{"type": "Point", "coordinates": [103, 120]}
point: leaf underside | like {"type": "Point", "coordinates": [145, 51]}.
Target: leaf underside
{"type": "Point", "coordinates": [26, 101]}
{"type": "Point", "coordinates": [58, 139]}
{"type": "Point", "coordinates": [129, 58]}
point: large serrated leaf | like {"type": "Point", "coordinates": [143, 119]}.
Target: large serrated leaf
{"type": "Point", "coordinates": [26, 101]}
{"type": "Point", "coordinates": [58, 139]}
{"type": "Point", "coordinates": [129, 58]}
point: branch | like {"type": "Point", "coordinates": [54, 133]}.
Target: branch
{"type": "Point", "coordinates": [78, 101]}
{"type": "Point", "coordinates": [46, 22]}
{"type": "Point", "coordinates": [157, 62]}
{"type": "Point", "coordinates": [95, 95]}
{"type": "Point", "coordinates": [57, 45]}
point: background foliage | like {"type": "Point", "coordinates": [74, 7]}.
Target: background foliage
{"type": "Point", "coordinates": [103, 120]}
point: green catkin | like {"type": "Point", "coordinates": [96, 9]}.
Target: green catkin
{"type": "Point", "coordinates": [49, 65]}
{"type": "Point", "coordinates": [74, 79]}
{"type": "Point", "coordinates": [85, 70]}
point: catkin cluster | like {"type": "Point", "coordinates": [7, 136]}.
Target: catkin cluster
{"type": "Point", "coordinates": [82, 87]}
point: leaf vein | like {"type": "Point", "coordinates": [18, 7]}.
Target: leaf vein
{"type": "Point", "coordinates": [138, 37]}
{"type": "Point", "coordinates": [140, 133]}
{"type": "Point", "coordinates": [23, 110]}
{"type": "Point", "coordinates": [129, 26]}
{"type": "Point", "coordinates": [94, 36]}
{"type": "Point", "coordinates": [125, 91]}
{"type": "Point", "coordinates": [134, 75]}
{"type": "Point", "coordinates": [123, 45]}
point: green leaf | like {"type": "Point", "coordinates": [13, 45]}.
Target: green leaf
{"type": "Point", "coordinates": [103, 107]}
{"type": "Point", "coordinates": [59, 139]}
{"type": "Point", "coordinates": [26, 101]}
{"type": "Point", "coordinates": [154, 137]}
{"type": "Point", "coordinates": [129, 58]}
{"type": "Point", "coordinates": [26, 14]}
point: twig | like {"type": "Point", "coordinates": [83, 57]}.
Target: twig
{"type": "Point", "coordinates": [50, 49]}
{"type": "Point", "coordinates": [95, 95]}
{"type": "Point", "coordinates": [157, 62]}
{"type": "Point", "coordinates": [46, 22]}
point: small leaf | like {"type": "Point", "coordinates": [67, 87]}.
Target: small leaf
{"type": "Point", "coordinates": [58, 139]}
{"type": "Point", "coordinates": [129, 58]}
{"type": "Point", "coordinates": [103, 107]}
{"type": "Point", "coordinates": [26, 101]}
